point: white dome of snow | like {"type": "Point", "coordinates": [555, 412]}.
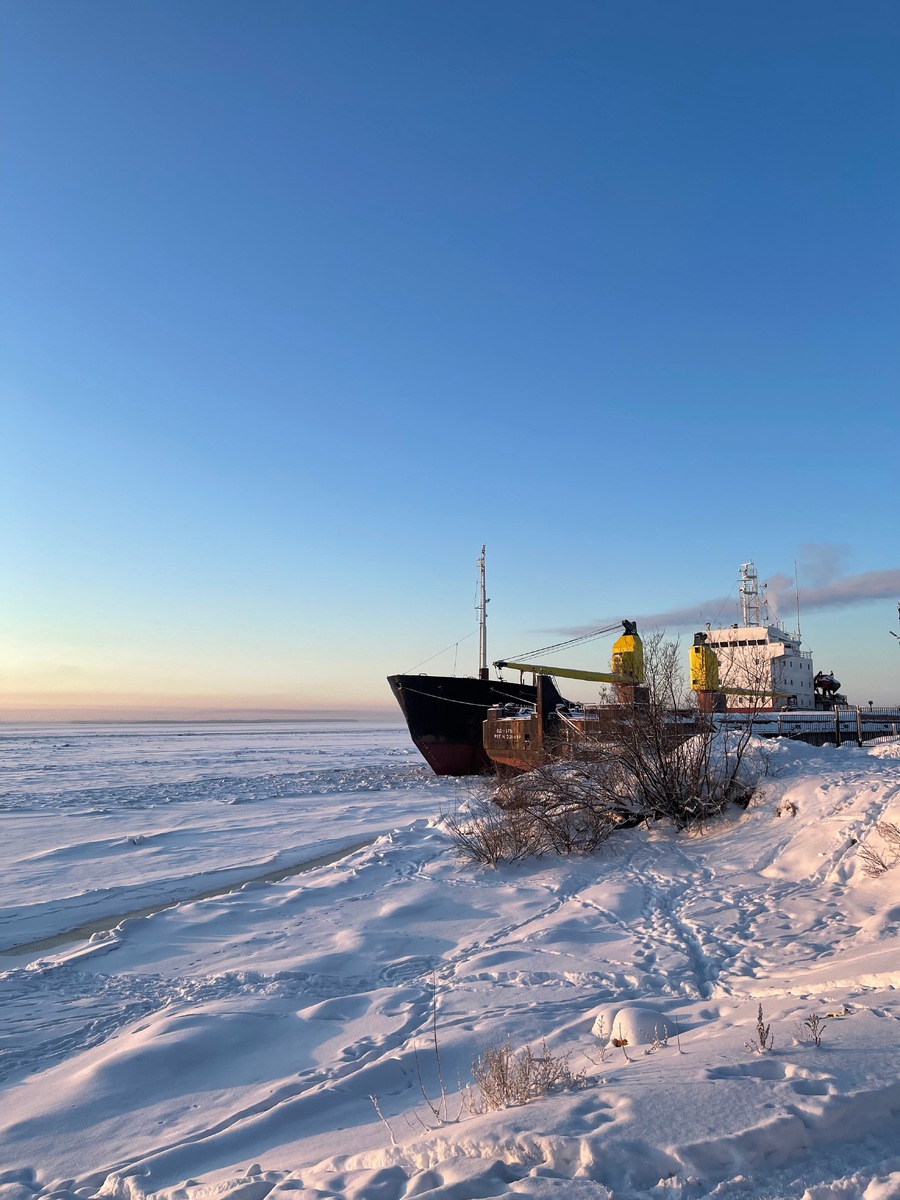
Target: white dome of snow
{"type": "Point", "coordinates": [638, 1024]}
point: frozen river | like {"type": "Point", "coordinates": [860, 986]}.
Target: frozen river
{"type": "Point", "coordinates": [221, 946]}
{"type": "Point", "coordinates": [102, 820]}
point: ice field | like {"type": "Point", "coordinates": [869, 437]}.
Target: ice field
{"type": "Point", "coordinates": [220, 942]}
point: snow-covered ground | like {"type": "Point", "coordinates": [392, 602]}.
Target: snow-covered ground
{"type": "Point", "coordinates": [230, 1045]}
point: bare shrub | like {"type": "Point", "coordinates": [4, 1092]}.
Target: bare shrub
{"type": "Point", "coordinates": [501, 1079]}
{"type": "Point", "coordinates": [563, 804]}
{"type": "Point", "coordinates": [815, 1026]}
{"type": "Point", "coordinates": [764, 1040]}
{"type": "Point", "coordinates": [811, 1029]}
{"type": "Point", "coordinates": [553, 809]}
{"type": "Point", "coordinates": [657, 759]}
{"type": "Point", "coordinates": [874, 863]}
{"type": "Point", "coordinates": [877, 861]}
{"type": "Point", "coordinates": [662, 760]}
{"type": "Point", "coordinates": [439, 1107]}
{"type": "Point", "coordinates": [504, 1079]}
{"type": "Point", "coordinates": [657, 1039]}
{"type": "Point", "coordinates": [602, 1046]}
{"type": "Point", "coordinates": [486, 833]}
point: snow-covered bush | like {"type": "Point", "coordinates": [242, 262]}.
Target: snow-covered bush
{"type": "Point", "coordinates": [553, 809]}
{"type": "Point", "coordinates": [486, 833]}
{"type": "Point", "coordinates": [651, 774]}
{"type": "Point", "coordinates": [572, 807]}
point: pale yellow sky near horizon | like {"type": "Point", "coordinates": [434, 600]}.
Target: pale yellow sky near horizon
{"type": "Point", "coordinates": [49, 674]}
{"type": "Point", "coordinates": [185, 710]}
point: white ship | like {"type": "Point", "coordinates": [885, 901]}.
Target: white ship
{"type": "Point", "coordinates": [762, 657]}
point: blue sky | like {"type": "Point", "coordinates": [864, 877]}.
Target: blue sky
{"type": "Point", "coordinates": [303, 302]}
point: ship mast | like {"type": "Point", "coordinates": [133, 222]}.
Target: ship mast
{"type": "Point", "coordinates": [482, 621]}
{"type": "Point", "coordinates": [749, 594]}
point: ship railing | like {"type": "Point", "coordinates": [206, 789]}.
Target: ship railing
{"type": "Point", "coordinates": [510, 712]}
{"type": "Point", "coordinates": [842, 724]}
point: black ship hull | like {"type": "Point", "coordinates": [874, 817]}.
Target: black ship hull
{"type": "Point", "coordinates": [446, 715]}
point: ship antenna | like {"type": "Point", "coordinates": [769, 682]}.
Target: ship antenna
{"type": "Point", "coordinates": [482, 621]}
{"type": "Point", "coordinates": [797, 592]}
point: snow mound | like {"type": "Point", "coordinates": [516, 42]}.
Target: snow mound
{"type": "Point", "coordinates": [889, 749]}
{"type": "Point", "coordinates": [636, 1024]}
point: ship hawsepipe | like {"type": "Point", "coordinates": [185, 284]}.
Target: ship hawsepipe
{"type": "Point", "coordinates": [445, 715]}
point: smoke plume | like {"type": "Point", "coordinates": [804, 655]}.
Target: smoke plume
{"type": "Point", "coordinates": [829, 590]}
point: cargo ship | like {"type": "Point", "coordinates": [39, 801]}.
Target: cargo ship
{"type": "Point", "coordinates": [752, 676]}
{"type": "Point", "coordinates": [461, 725]}
{"type": "Point", "coordinates": [446, 714]}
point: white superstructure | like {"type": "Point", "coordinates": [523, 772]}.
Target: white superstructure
{"type": "Point", "coordinates": [762, 657]}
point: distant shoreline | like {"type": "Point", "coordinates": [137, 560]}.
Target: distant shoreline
{"type": "Point", "coordinates": [203, 721]}
{"type": "Point", "coordinates": [196, 721]}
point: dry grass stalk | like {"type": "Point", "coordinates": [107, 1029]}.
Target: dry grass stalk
{"type": "Point", "coordinates": [815, 1024]}
{"type": "Point", "coordinates": [764, 1039]}
{"type": "Point", "coordinates": [504, 1079]}
{"type": "Point", "coordinates": [878, 861]}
